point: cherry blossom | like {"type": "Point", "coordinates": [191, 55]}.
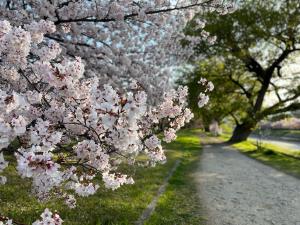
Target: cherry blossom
{"type": "Point", "coordinates": [3, 165]}
{"type": "Point", "coordinates": [203, 100]}
{"type": "Point", "coordinates": [118, 40]}
{"type": "Point", "coordinates": [85, 87]}
{"type": "Point", "coordinates": [170, 135]}
{"type": "Point", "coordinates": [47, 218]}
{"type": "Point", "coordinates": [6, 222]}
{"type": "Point", "coordinates": [57, 110]}
{"type": "Point", "coordinates": [203, 97]}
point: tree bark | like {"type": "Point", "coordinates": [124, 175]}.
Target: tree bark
{"type": "Point", "coordinates": [241, 132]}
{"type": "Point", "coordinates": [206, 127]}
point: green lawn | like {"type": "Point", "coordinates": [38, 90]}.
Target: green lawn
{"type": "Point", "coordinates": [286, 160]}
{"type": "Point", "coordinates": [282, 133]}
{"type": "Point", "coordinates": [273, 156]}
{"type": "Point", "coordinates": [178, 205]}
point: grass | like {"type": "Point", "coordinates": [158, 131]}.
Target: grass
{"type": "Point", "coordinates": [179, 204]}
{"type": "Point", "coordinates": [284, 133]}
{"type": "Point", "coordinates": [283, 159]}
{"type": "Point", "coordinates": [123, 206]}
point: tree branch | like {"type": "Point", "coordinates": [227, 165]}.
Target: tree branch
{"type": "Point", "coordinates": [33, 86]}
{"type": "Point", "coordinates": [254, 66]}
{"type": "Point", "coordinates": [245, 91]}
{"type": "Point", "coordinates": [279, 60]}
{"type": "Point", "coordinates": [132, 15]}
{"type": "Point", "coordinates": [276, 91]}
{"type": "Point", "coordinates": [292, 107]}
{"type": "Point", "coordinates": [235, 118]}
{"type": "Point", "coordinates": [275, 108]}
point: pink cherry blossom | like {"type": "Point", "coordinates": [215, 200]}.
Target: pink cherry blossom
{"type": "Point", "coordinates": [89, 89]}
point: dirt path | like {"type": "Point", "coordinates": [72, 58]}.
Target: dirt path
{"type": "Point", "coordinates": [237, 190]}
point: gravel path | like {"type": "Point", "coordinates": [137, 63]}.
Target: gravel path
{"type": "Point", "coordinates": [237, 190]}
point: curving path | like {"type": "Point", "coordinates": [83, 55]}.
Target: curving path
{"type": "Point", "coordinates": [237, 190]}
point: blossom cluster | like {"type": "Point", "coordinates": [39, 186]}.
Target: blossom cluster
{"type": "Point", "coordinates": [47, 218]}
{"type": "Point", "coordinates": [3, 165]}
{"type": "Point", "coordinates": [203, 97]}
{"type": "Point", "coordinates": [84, 88]}
{"type": "Point", "coordinates": [71, 129]}
{"type": "Point", "coordinates": [118, 40]}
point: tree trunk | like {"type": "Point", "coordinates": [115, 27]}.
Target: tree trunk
{"type": "Point", "coordinates": [206, 127]}
{"type": "Point", "coordinates": [241, 132]}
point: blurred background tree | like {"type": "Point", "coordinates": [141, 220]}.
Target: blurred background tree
{"type": "Point", "coordinates": [225, 100]}
{"type": "Point", "coordinates": [256, 45]}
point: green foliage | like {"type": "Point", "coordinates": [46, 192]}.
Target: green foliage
{"type": "Point", "coordinates": [255, 26]}
{"type": "Point", "coordinates": [226, 98]}
{"type": "Point", "coordinates": [253, 43]}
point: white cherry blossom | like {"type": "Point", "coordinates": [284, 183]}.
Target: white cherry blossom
{"type": "Point", "coordinates": [84, 89]}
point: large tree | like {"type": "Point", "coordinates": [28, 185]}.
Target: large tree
{"type": "Point", "coordinates": [59, 113]}
{"type": "Point", "coordinates": [261, 37]}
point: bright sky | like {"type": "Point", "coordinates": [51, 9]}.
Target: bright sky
{"type": "Point", "coordinates": [292, 72]}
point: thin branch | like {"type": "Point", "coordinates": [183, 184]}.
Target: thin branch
{"type": "Point", "coordinates": [276, 91]}
{"type": "Point", "coordinates": [245, 91]}
{"type": "Point", "coordinates": [275, 108]}
{"type": "Point", "coordinates": [129, 16]}
{"type": "Point", "coordinates": [33, 86]}
{"type": "Point", "coordinates": [235, 118]}
{"type": "Point", "coordinates": [277, 62]}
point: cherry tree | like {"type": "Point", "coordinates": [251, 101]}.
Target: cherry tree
{"type": "Point", "coordinates": [118, 40]}
{"type": "Point", "coordinates": [76, 90]}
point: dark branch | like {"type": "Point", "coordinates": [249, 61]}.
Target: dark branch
{"type": "Point", "coordinates": [245, 91]}
{"type": "Point", "coordinates": [254, 66]}
{"type": "Point", "coordinates": [132, 15]}
{"type": "Point", "coordinates": [275, 109]}
{"type": "Point", "coordinates": [235, 118]}
{"type": "Point", "coordinates": [279, 60]}
{"type": "Point", "coordinates": [292, 107]}
{"type": "Point", "coordinates": [276, 91]}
